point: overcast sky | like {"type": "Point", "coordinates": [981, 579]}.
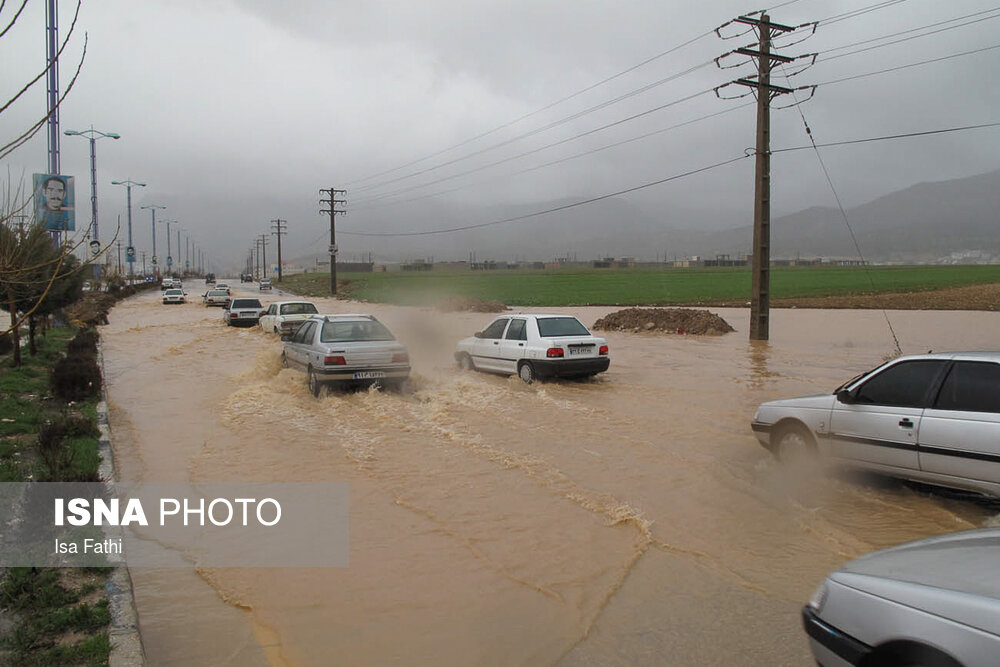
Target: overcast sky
{"type": "Point", "coordinates": [236, 112]}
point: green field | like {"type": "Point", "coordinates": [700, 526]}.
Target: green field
{"type": "Point", "coordinates": [673, 286]}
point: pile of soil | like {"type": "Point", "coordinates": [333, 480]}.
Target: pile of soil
{"type": "Point", "coordinates": [469, 304]}
{"type": "Point", "coordinates": [668, 320]}
{"type": "Point", "coordinates": [91, 309]}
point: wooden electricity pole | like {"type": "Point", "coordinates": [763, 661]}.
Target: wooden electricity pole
{"type": "Point", "coordinates": [760, 300]}
{"type": "Point", "coordinates": [279, 228]}
{"type": "Point", "coordinates": [334, 212]}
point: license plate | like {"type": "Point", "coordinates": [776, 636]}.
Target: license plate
{"type": "Point", "coordinates": [369, 375]}
{"type": "Point", "coordinates": [586, 349]}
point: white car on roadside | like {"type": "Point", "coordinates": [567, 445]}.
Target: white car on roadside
{"type": "Point", "coordinates": [932, 418]}
{"type": "Point", "coordinates": [285, 316]}
{"type": "Point", "coordinates": [535, 346]}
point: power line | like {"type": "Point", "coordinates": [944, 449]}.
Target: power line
{"type": "Point", "coordinates": [536, 150]}
{"type": "Point", "coordinates": [530, 133]}
{"type": "Point", "coordinates": [538, 111]}
{"type": "Point", "coordinates": [376, 204]}
{"type": "Point", "coordinates": [854, 13]}
{"type": "Point", "coordinates": [552, 210]}
{"type": "Point", "coordinates": [901, 67]}
{"type": "Point", "coordinates": [923, 27]}
{"type": "Point", "coordinates": [888, 137]}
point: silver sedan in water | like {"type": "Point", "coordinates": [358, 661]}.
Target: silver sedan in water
{"type": "Point", "coordinates": [933, 418]}
{"type": "Point", "coordinates": [931, 603]}
{"type": "Point", "coordinates": [346, 350]}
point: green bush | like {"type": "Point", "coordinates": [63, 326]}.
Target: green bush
{"type": "Point", "coordinates": [75, 378]}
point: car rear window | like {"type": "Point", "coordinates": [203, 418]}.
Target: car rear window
{"type": "Point", "coordinates": [218, 292]}
{"type": "Point", "coordinates": [174, 292]}
{"type": "Point", "coordinates": [298, 309]}
{"type": "Point", "coordinates": [246, 303]}
{"type": "Point", "coordinates": [346, 332]}
{"type": "Point", "coordinates": [561, 326]}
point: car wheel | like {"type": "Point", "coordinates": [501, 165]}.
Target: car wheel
{"type": "Point", "coordinates": [794, 443]}
{"type": "Point", "coordinates": [314, 384]}
{"type": "Point", "coordinates": [465, 363]}
{"type": "Point", "coordinates": [526, 372]}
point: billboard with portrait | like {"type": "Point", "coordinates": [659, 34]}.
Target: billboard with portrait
{"type": "Point", "coordinates": [54, 198]}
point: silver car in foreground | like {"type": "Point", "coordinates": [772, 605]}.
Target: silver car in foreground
{"type": "Point", "coordinates": [932, 418]}
{"type": "Point", "coordinates": [932, 603]}
{"type": "Point", "coordinates": [346, 350]}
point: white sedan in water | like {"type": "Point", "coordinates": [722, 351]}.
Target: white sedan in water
{"type": "Point", "coordinates": [932, 418]}
{"type": "Point", "coordinates": [535, 346]}
{"type": "Point", "coordinates": [285, 316]}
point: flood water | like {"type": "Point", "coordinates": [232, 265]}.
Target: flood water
{"type": "Point", "coordinates": [629, 520]}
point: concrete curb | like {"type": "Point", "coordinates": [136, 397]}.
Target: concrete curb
{"type": "Point", "coordinates": [126, 642]}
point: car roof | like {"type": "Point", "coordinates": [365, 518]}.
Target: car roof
{"type": "Point", "coordinates": [283, 303]}
{"type": "Point", "coordinates": [967, 356]}
{"type": "Point", "coordinates": [538, 315]}
{"type": "Point", "coordinates": [343, 316]}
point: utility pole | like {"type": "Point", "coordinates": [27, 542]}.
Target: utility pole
{"type": "Point", "coordinates": [760, 299]}
{"type": "Point", "coordinates": [263, 250]}
{"type": "Point", "coordinates": [333, 211]}
{"type": "Point", "coordinates": [280, 228]}
{"type": "Point", "coordinates": [143, 253]}
{"type": "Point", "coordinates": [119, 258]}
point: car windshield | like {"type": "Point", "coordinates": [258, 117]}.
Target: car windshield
{"type": "Point", "coordinates": [561, 326]}
{"type": "Point", "coordinates": [298, 309]}
{"type": "Point", "coordinates": [349, 331]}
{"type": "Point", "coordinates": [246, 303]}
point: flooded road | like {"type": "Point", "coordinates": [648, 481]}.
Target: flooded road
{"type": "Point", "coordinates": [629, 520]}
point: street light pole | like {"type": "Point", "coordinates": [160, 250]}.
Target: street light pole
{"type": "Point", "coordinates": [130, 251]}
{"type": "Point", "coordinates": [152, 209]}
{"type": "Point", "coordinates": [94, 135]}
{"type": "Point", "coordinates": [170, 258]}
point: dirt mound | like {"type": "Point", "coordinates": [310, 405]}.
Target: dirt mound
{"type": "Point", "coordinates": [668, 320]}
{"type": "Point", "coordinates": [469, 304]}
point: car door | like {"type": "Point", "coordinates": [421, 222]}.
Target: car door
{"type": "Point", "coordinates": [297, 350]}
{"type": "Point", "coordinates": [512, 345]}
{"type": "Point", "coordinates": [881, 424]}
{"type": "Point", "coordinates": [267, 322]}
{"type": "Point", "coordinates": [486, 349]}
{"type": "Point", "coordinates": [960, 432]}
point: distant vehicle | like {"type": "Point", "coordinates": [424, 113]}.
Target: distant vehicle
{"type": "Point", "coordinates": [217, 297]}
{"type": "Point", "coordinates": [242, 312]}
{"type": "Point", "coordinates": [173, 295]}
{"type": "Point", "coordinates": [171, 283]}
{"type": "Point", "coordinates": [931, 603]}
{"type": "Point", "coordinates": [286, 316]}
{"type": "Point", "coordinates": [225, 286]}
{"type": "Point", "coordinates": [535, 346]}
{"type": "Point", "coordinates": [209, 278]}
{"type": "Point", "coordinates": [933, 418]}
{"type": "Point", "coordinates": [246, 278]}
{"type": "Point", "coordinates": [346, 350]}
{"type": "Point", "coordinates": [265, 284]}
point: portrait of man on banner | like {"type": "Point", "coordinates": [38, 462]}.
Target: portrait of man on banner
{"type": "Point", "coordinates": [54, 199]}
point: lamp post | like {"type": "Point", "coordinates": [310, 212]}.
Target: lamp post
{"type": "Point", "coordinates": [130, 250]}
{"type": "Point", "coordinates": [152, 209]}
{"type": "Point", "coordinates": [170, 258]}
{"type": "Point", "coordinates": [93, 135]}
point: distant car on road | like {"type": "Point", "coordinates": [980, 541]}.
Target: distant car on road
{"type": "Point", "coordinates": [170, 283]}
{"type": "Point", "coordinates": [932, 418]}
{"type": "Point", "coordinates": [173, 295]}
{"type": "Point", "coordinates": [225, 286]}
{"type": "Point", "coordinates": [246, 278]}
{"type": "Point", "coordinates": [930, 603]}
{"type": "Point", "coordinates": [285, 316]}
{"type": "Point", "coordinates": [346, 350]}
{"type": "Point", "coordinates": [265, 284]}
{"type": "Point", "coordinates": [242, 312]}
{"type": "Point", "coordinates": [535, 346]}
{"type": "Point", "coordinates": [217, 297]}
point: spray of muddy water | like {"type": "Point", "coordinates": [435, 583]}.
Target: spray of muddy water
{"type": "Point", "coordinates": [624, 520]}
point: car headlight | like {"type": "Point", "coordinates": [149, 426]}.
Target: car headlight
{"type": "Point", "coordinates": [818, 598]}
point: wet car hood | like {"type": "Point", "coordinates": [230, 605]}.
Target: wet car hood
{"type": "Point", "coordinates": [953, 576]}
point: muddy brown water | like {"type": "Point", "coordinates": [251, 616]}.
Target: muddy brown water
{"type": "Point", "coordinates": [630, 520]}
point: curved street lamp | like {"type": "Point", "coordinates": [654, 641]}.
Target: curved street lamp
{"type": "Point", "coordinates": [93, 135]}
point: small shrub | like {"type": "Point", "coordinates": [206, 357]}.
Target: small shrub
{"type": "Point", "coordinates": [75, 378]}
{"type": "Point", "coordinates": [83, 344]}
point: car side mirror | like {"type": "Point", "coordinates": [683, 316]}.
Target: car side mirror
{"type": "Point", "coordinates": [478, 334]}
{"type": "Point", "coordinates": [286, 337]}
{"type": "Point", "coordinates": [846, 397]}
